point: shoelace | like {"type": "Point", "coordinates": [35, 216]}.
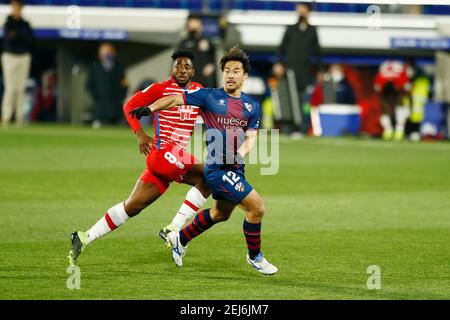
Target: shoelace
{"type": "Point", "coordinates": [259, 258]}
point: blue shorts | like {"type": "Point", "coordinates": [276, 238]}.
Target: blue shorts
{"type": "Point", "coordinates": [227, 183]}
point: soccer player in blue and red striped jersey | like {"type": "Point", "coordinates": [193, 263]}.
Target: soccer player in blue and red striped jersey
{"type": "Point", "coordinates": [232, 120]}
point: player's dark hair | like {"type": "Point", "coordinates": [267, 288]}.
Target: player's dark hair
{"type": "Point", "coordinates": [183, 54]}
{"type": "Point", "coordinates": [194, 15]}
{"type": "Point", "coordinates": [19, 2]}
{"type": "Point", "coordinates": [236, 54]}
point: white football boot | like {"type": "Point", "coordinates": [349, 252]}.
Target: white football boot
{"type": "Point", "coordinates": [262, 265]}
{"type": "Point", "coordinates": [164, 232]}
{"type": "Point", "coordinates": [178, 250]}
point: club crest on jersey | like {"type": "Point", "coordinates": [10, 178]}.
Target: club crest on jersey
{"type": "Point", "coordinates": [248, 106]}
{"type": "Point", "coordinates": [221, 102]}
{"type": "Point", "coordinates": [239, 187]}
{"type": "Point", "coordinates": [185, 112]}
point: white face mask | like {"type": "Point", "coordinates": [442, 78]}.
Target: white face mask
{"type": "Point", "coordinates": [108, 62]}
{"type": "Point", "coordinates": [337, 76]}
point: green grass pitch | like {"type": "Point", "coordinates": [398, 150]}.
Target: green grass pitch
{"type": "Point", "coordinates": [336, 207]}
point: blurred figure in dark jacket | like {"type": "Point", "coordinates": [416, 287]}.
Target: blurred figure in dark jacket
{"type": "Point", "coordinates": [342, 90]}
{"type": "Point", "coordinates": [203, 50]}
{"type": "Point", "coordinates": [108, 86]}
{"type": "Point", "coordinates": [16, 62]}
{"type": "Point", "coordinates": [300, 52]}
{"type": "Point", "coordinates": [332, 88]}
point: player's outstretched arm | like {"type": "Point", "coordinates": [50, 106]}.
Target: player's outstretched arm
{"type": "Point", "coordinates": [167, 102]}
{"type": "Point", "coordinates": [161, 104]}
{"type": "Point", "coordinates": [249, 142]}
{"type": "Point", "coordinates": [141, 99]}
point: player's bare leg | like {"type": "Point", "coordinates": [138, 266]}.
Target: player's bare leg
{"type": "Point", "coordinates": [195, 199]}
{"type": "Point", "coordinates": [220, 211]}
{"type": "Point", "coordinates": [253, 206]}
{"type": "Point", "coordinates": [194, 177]}
{"type": "Point", "coordinates": [141, 197]}
{"type": "Point", "coordinates": [402, 114]}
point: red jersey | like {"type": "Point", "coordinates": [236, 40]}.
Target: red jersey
{"type": "Point", "coordinates": [394, 71]}
{"type": "Point", "coordinates": [172, 127]}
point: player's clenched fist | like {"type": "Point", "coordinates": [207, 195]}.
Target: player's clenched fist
{"type": "Point", "coordinates": [138, 113]}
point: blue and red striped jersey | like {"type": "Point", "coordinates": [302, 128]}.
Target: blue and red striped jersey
{"type": "Point", "coordinates": [226, 120]}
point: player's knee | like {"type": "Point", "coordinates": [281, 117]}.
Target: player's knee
{"type": "Point", "coordinates": [218, 216]}
{"type": "Point", "coordinates": [132, 211]}
{"type": "Point", "coordinates": [133, 208]}
{"type": "Point", "coordinates": [261, 211]}
{"type": "Point", "coordinates": [222, 218]}
{"type": "Point", "coordinates": [203, 188]}
{"type": "Point", "coordinates": [258, 211]}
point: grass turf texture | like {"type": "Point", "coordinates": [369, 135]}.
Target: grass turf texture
{"type": "Point", "coordinates": [336, 207]}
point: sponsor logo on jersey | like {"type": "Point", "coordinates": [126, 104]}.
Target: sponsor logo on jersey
{"type": "Point", "coordinates": [248, 106]}
{"type": "Point", "coordinates": [234, 122]}
{"type": "Point", "coordinates": [239, 187]}
{"type": "Point", "coordinates": [221, 102]}
{"type": "Point", "coordinates": [185, 112]}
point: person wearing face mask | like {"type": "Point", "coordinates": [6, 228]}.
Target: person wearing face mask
{"type": "Point", "coordinates": [331, 88]}
{"type": "Point", "coordinates": [108, 87]}
{"type": "Point", "coordinates": [300, 51]}
{"type": "Point", "coordinates": [342, 91]}
{"type": "Point", "coordinates": [16, 62]}
{"type": "Point", "coordinates": [203, 50]}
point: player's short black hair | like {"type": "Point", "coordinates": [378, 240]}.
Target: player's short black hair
{"type": "Point", "coordinates": [183, 54]}
{"type": "Point", "coordinates": [19, 2]}
{"type": "Point", "coordinates": [236, 54]}
{"type": "Point", "coordinates": [194, 15]}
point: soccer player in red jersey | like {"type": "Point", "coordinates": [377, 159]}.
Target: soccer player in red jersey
{"type": "Point", "coordinates": [393, 82]}
{"type": "Point", "coordinates": [167, 159]}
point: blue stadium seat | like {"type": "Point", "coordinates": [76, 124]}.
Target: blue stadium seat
{"type": "Point", "coordinates": [283, 6]}
{"type": "Point", "coordinates": [256, 5]}
{"type": "Point", "coordinates": [118, 3]}
{"type": "Point", "coordinates": [146, 3]}
{"type": "Point", "coordinates": [430, 9]}
{"type": "Point", "coordinates": [216, 5]}
{"type": "Point", "coordinates": [219, 5]}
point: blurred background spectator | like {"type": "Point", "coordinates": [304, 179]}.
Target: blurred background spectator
{"type": "Point", "coordinates": [300, 52]}
{"type": "Point", "coordinates": [394, 83]}
{"type": "Point", "coordinates": [331, 87]}
{"type": "Point", "coordinates": [203, 49]}
{"type": "Point", "coordinates": [282, 39]}
{"type": "Point", "coordinates": [108, 87]}
{"type": "Point", "coordinates": [16, 62]}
